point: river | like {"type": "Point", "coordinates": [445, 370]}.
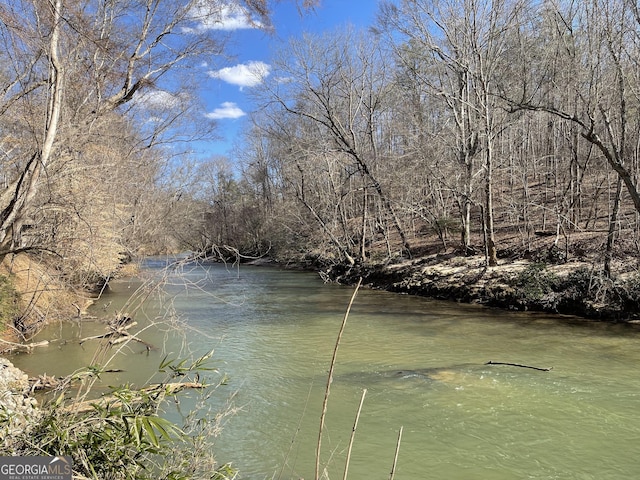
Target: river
{"type": "Point", "coordinates": [423, 363]}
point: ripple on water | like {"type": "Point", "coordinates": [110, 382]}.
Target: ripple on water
{"type": "Point", "coordinates": [423, 363]}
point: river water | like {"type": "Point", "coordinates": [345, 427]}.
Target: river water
{"type": "Point", "coordinates": [423, 363]}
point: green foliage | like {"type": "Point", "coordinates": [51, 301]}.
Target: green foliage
{"type": "Point", "coordinates": [182, 367]}
{"type": "Point", "coordinates": [122, 436]}
{"type": "Point", "coordinates": [629, 293]}
{"type": "Point", "coordinates": [584, 284]}
{"type": "Point", "coordinates": [632, 287]}
{"type": "Point", "coordinates": [534, 284]}
{"type": "Point", "coordinates": [9, 298]}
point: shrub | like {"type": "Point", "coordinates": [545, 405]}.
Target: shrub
{"type": "Point", "coordinates": [123, 436]}
{"type": "Point", "coordinates": [630, 295]}
{"type": "Point", "coordinates": [534, 283]}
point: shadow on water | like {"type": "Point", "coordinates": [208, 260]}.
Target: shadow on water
{"type": "Point", "coordinates": [396, 378]}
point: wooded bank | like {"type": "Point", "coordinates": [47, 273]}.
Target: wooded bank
{"type": "Point", "coordinates": [459, 131]}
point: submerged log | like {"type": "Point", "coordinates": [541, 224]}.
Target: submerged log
{"type": "Point", "coordinates": [542, 369]}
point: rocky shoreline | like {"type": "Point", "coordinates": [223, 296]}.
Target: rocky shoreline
{"type": "Point", "coordinates": [18, 410]}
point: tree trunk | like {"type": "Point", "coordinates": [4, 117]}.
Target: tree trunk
{"type": "Point", "coordinates": [466, 209]}
{"type": "Point", "coordinates": [611, 234]}
{"type": "Point", "coordinates": [492, 259]}
{"type": "Point", "coordinates": [25, 188]}
{"type": "Point", "coordinates": [363, 237]}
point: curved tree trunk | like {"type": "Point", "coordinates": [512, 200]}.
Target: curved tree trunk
{"type": "Point", "coordinates": [24, 189]}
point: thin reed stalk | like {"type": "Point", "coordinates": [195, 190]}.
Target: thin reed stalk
{"type": "Point", "coordinates": [330, 379]}
{"type": "Point", "coordinates": [353, 434]}
{"type": "Point", "coordinates": [293, 440]}
{"type": "Point", "coordinates": [395, 457]}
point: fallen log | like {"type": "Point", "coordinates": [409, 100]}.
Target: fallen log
{"type": "Point", "coordinates": [47, 382]}
{"type": "Point", "coordinates": [13, 346]}
{"type": "Point", "coordinates": [542, 369]}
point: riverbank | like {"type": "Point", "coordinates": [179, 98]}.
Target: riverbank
{"type": "Point", "coordinates": [576, 287]}
{"type": "Point", "coordinates": [34, 293]}
{"type": "Point", "coordinates": [39, 296]}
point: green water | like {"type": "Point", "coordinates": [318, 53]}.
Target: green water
{"type": "Point", "coordinates": [421, 361]}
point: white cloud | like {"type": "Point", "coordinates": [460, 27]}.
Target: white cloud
{"type": "Point", "coordinates": [219, 15]}
{"type": "Point", "coordinates": [226, 110]}
{"type": "Point", "coordinates": [244, 74]}
{"type": "Point", "coordinates": [159, 99]}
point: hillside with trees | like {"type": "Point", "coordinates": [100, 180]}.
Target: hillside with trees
{"type": "Point", "coordinates": [466, 122]}
{"type": "Point", "coordinates": [496, 130]}
{"type": "Point", "coordinates": [98, 110]}
{"type": "Point", "coordinates": [458, 131]}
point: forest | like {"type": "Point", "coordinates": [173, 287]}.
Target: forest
{"type": "Point", "coordinates": [481, 125]}
{"type": "Point", "coordinates": [498, 130]}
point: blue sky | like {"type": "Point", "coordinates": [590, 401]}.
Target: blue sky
{"type": "Point", "coordinates": [227, 96]}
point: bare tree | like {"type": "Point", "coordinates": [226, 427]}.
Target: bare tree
{"type": "Point", "coordinates": [598, 42]}
{"type": "Point", "coordinates": [461, 46]}
{"type": "Point", "coordinates": [74, 67]}
{"type": "Point", "coordinates": [337, 82]}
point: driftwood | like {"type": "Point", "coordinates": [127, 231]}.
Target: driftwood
{"type": "Point", "coordinates": [519, 365]}
{"type": "Point", "coordinates": [114, 332]}
{"type": "Point", "coordinates": [125, 337]}
{"type": "Point", "coordinates": [47, 382]}
{"type": "Point", "coordinates": [111, 400]}
{"type": "Point", "coordinates": [119, 334]}
{"type": "Point", "coordinates": [13, 346]}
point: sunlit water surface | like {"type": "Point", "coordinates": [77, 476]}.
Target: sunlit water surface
{"type": "Point", "coordinates": [423, 363]}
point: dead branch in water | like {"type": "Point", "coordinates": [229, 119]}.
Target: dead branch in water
{"type": "Point", "coordinates": [111, 400]}
{"type": "Point", "coordinates": [13, 346]}
{"type": "Point", "coordinates": [47, 382]}
{"type": "Point", "coordinates": [519, 365]}
{"type": "Point", "coordinates": [117, 335]}
{"type": "Point", "coordinates": [112, 333]}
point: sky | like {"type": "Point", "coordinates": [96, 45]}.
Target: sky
{"type": "Point", "coordinates": [227, 96]}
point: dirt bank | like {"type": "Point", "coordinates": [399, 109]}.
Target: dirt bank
{"type": "Point", "coordinates": [41, 296]}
